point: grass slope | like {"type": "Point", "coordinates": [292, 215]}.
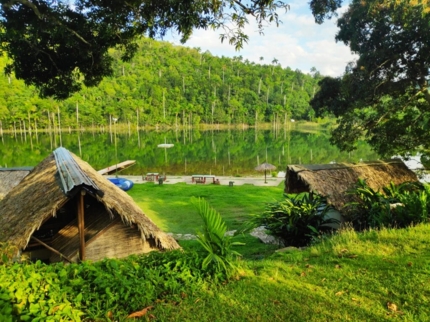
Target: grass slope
{"type": "Point", "coordinates": [371, 276]}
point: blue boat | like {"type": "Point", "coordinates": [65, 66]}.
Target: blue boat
{"type": "Point", "coordinates": [122, 183]}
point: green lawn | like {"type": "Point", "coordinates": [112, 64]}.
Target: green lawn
{"type": "Point", "coordinates": [169, 206]}
{"type": "Point", "coordinates": [372, 276]}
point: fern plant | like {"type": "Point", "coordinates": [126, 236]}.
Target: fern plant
{"type": "Point", "coordinates": [218, 246]}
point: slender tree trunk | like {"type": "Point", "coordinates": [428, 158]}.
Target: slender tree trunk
{"type": "Point", "coordinates": [49, 122]}
{"type": "Point", "coordinates": [20, 129]}
{"type": "Point", "coordinates": [29, 122]}
{"type": "Point", "coordinates": [59, 126]}
{"type": "Point", "coordinates": [110, 128]}
{"type": "Point", "coordinates": [77, 115]}
{"type": "Point", "coordinates": [59, 120]}
{"type": "Point", "coordinates": [164, 106]}
{"type": "Point", "coordinates": [25, 131]}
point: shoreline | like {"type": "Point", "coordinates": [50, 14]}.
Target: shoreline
{"type": "Point", "coordinates": [223, 180]}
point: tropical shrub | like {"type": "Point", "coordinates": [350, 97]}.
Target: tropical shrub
{"type": "Point", "coordinates": [218, 247]}
{"type": "Point", "coordinates": [296, 221]}
{"type": "Point", "coordinates": [106, 290]}
{"type": "Point", "coordinates": [396, 205]}
{"type": "Point", "coordinates": [372, 208]}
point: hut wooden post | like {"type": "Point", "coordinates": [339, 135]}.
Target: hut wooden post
{"type": "Point", "coordinates": [81, 225]}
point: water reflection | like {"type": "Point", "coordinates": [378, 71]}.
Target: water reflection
{"type": "Point", "coordinates": [228, 152]}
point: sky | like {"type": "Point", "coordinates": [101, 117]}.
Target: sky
{"type": "Point", "coordinates": [298, 43]}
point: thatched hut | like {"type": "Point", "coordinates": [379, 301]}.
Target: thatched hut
{"type": "Point", "coordinates": [334, 180]}
{"type": "Point", "coordinates": [64, 210]}
{"type": "Point", "coordinates": [10, 178]}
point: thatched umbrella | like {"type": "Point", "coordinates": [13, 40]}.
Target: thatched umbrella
{"type": "Point", "coordinates": [265, 166]}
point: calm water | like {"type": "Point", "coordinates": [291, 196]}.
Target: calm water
{"type": "Point", "coordinates": [227, 152]}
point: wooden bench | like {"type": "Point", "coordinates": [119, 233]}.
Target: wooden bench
{"type": "Point", "coordinates": [199, 181]}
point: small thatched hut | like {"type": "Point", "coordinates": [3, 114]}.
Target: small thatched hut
{"type": "Point", "coordinates": [10, 178]}
{"type": "Point", "coordinates": [334, 180]}
{"type": "Point", "coordinates": [64, 210]}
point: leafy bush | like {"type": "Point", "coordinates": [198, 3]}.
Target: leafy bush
{"type": "Point", "coordinates": [217, 245]}
{"type": "Point", "coordinates": [397, 205]}
{"type": "Point", "coordinates": [371, 210]}
{"type": "Point", "coordinates": [93, 291]}
{"type": "Point", "coordinates": [34, 292]}
{"type": "Point", "coordinates": [296, 220]}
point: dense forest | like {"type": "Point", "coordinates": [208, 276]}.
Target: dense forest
{"type": "Point", "coordinates": [167, 85]}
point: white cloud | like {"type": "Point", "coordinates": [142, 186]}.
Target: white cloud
{"type": "Point", "coordinates": [298, 43]}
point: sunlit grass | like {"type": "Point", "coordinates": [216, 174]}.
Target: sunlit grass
{"type": "Point", "coordinates": [169, 206]}
{"type": "Point", "coordinates": [376, 275]}
{"type": "Point", "coordinates": [371, 276]}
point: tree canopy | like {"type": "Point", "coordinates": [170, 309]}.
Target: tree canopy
{"type": "Point", "coordinates": [384, 95]}
{"type": "Point", "coordinates": [58, 45]}
{"type": "Point", "coordinates": [168, 85]}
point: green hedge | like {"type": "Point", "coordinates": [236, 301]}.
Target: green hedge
{"type": "Point", "coordinates": [112, 287]}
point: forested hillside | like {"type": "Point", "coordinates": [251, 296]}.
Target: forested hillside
{"type": "Point", "coordinates": [169, 85]}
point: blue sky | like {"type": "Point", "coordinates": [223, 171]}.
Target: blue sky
{"type": "Point", "coordinates": [298, 43]}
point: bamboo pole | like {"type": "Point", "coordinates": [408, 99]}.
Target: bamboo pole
{"type": "Point", "coordinates": [81, 225]}
{"type": "Point", "coordinates": [51, 249]}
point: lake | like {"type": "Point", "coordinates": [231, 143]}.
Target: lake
{"type": "Point", "coordinates": [220, 152]}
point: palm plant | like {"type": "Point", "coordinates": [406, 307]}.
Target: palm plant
{"type": "Point", "coordinates": [296, 220]}
{"type": "Point", "coordinates": [217, 245]}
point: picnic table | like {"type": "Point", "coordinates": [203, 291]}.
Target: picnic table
{"type": "Point", "coordinates": [152, 176]}
{"type": "Point", "coordinates": [201, 178]}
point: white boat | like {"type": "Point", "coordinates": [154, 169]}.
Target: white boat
{"type": "Point", "coordinates": [165, 145]}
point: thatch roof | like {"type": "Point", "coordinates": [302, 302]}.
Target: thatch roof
{"type": "Point", "coordinates": [10, 178]}
{"type": "Point", "coordinates": [334, 180]}
{"type": "Point", "coordinates": [40, 194]}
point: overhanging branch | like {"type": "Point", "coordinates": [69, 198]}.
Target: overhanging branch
{"type": "Point", "coordinates": [36, 11]}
